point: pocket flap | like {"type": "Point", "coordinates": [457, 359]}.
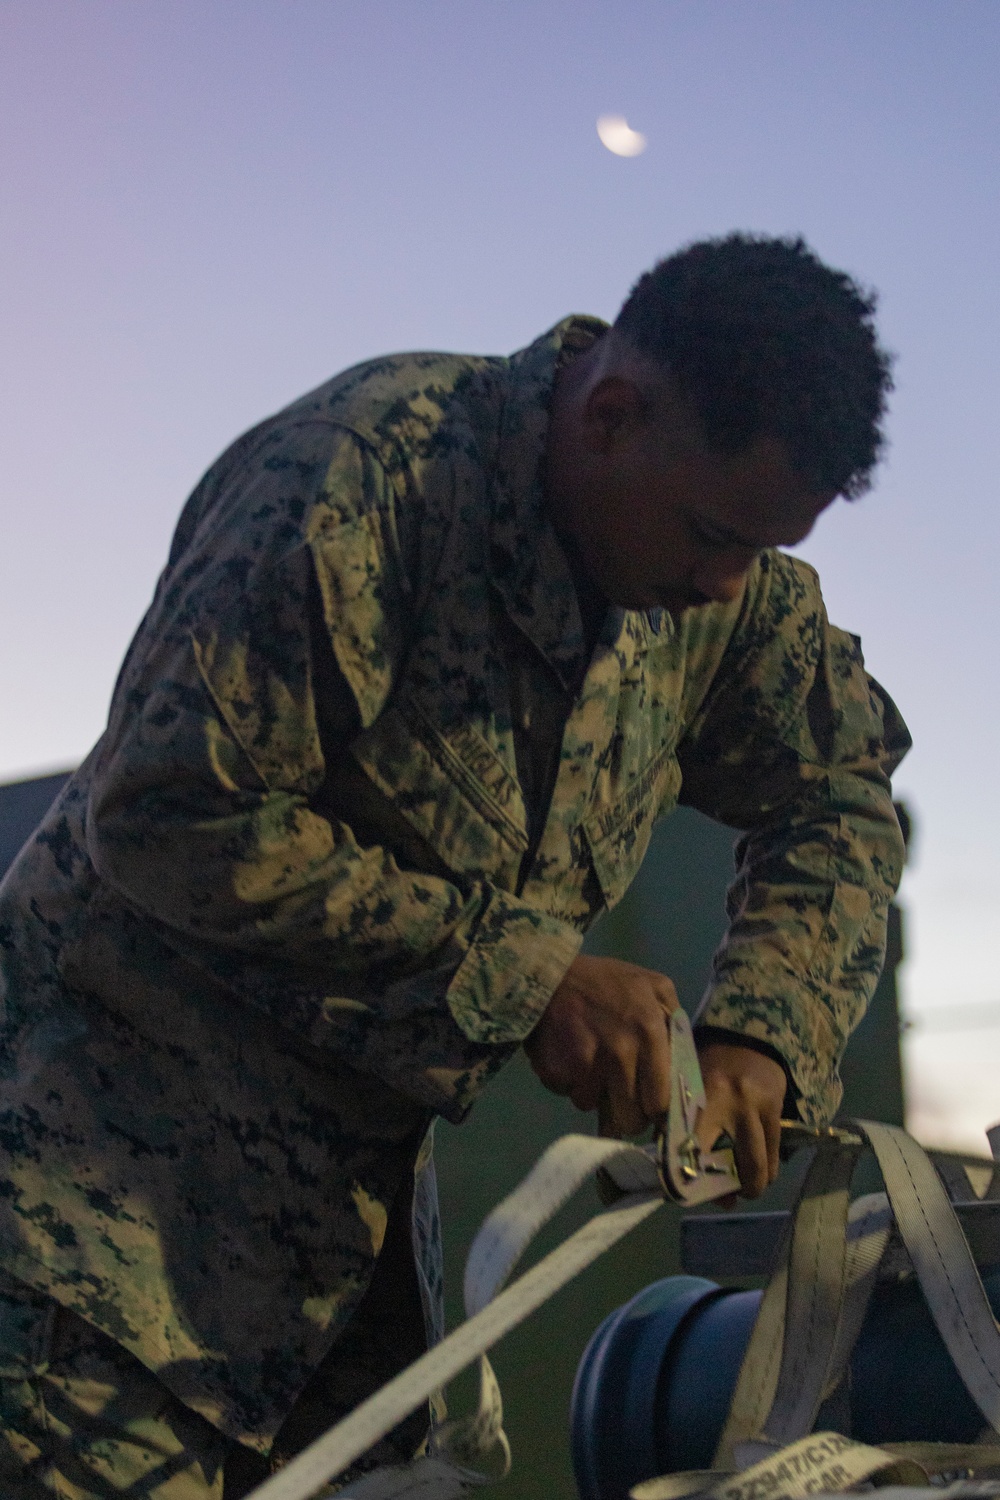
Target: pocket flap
{"type": "Point", "coordinates": [618, 836]}
{"type": "Point", "coordinates": [450, 785]}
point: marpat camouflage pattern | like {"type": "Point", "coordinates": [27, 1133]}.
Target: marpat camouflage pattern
{"type": "Point", "coordinates": [362, 792]}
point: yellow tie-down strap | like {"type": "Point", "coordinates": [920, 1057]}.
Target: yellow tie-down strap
{"type": "Point", "coordinates": [826, 1463]}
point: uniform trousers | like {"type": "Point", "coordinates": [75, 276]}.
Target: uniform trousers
{"type": "Point", "coordinates": [82, 1419]}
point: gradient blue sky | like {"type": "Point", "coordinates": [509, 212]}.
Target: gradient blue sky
{"type": "Point", "coordinates": [208, 206]}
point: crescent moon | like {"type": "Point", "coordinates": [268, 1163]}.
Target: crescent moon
{"type": "Point", "coordinates": [617, 135]}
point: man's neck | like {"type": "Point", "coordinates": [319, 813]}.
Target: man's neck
{"type": "Point", "coordinates": [592, 603]}
{"type": "Point", "coordinates": [570, 379]}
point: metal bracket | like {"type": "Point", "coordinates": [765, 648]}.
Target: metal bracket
{"type": "Point", "coordinates": [689, 1175]}
{"type": "Point", "coordinates": [795, 1135]}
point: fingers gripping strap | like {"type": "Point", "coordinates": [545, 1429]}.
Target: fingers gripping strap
{"type": "Point", "coordinates": [942, 1261]}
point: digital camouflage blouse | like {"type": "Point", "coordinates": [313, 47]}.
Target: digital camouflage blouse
{"type": "Point", "coordinates": [362, 791]}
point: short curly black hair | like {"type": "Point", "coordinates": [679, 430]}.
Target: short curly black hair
{"type": "Point", "coordinates": [764, 339]}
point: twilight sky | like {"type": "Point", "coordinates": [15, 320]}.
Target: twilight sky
{"type": "Point", "coordinates": [208, 206]}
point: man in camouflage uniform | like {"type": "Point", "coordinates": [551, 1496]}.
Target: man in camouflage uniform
{"type": "Point", "coordinates": [433, 649]}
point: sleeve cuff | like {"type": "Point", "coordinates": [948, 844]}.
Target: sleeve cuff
{"type": "Point", "coordinates": [789, 1109]}
{"type": "Point", "coordinates": [799, 1037]}
{"type": "Point", "coordinates": [517, 959]}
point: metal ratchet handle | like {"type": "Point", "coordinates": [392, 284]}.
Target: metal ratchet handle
{"type": "Point", "coordinates": [688, 1174]}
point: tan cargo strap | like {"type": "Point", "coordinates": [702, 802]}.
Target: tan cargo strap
{"type": "Point", "coordinates": [943, 1262]}
{"type": "Point", "coordinates": [787, 1367]}
{"type": "Point", "coordinates": [825, 1463]}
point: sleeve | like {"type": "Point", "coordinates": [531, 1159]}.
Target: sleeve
{"type": "Point", "coordinates": [794, 744]}
{"type": "Point", "coordinates": [277, 633]}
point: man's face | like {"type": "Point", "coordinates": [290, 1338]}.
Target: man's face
{"type": "Point", "coordinates": [662, 522]}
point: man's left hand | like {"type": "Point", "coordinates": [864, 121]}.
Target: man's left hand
{"type": "Point", "coordinates": [745, 1091]}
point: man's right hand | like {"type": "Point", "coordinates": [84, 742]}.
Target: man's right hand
{"type": "Point", "coordinates": [604, 1041]}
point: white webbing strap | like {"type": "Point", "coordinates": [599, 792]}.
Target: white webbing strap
{"type": "Point", "coordinates": [942, 1260]}
{"type": "Point", "coordinates": [479, 1439]}
{"type": "Point", "coordinates": [812, 1310]}
{"type": "Point", "coordinates": [817, 1281]}
{"type": "Point", "coordinates": [788, 1363]}
{"type": "Point", "coordinates": [496, 1249]}
{"type": "Point", "coordinates": [869, 1231]}
{"type": "Point", "coordinates": [562, 1168]}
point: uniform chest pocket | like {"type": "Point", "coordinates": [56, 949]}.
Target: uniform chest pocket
{"type": "Point", "coordinates": [452, 787]}
{"type": "Point", "coordinates": [618, 835]}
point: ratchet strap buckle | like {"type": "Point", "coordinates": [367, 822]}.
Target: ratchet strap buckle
{"type": "Point", "coordinates": [688, 1174]}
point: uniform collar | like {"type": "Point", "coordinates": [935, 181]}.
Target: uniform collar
{"type": "Point", "coordinates": [528, 566]}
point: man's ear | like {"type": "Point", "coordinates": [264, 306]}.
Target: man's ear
{"type": "Point", "coordinates": [615, 408]}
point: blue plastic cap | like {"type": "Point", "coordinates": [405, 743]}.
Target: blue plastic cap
{"type": "Point", "coordinates": [613, 1408]}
